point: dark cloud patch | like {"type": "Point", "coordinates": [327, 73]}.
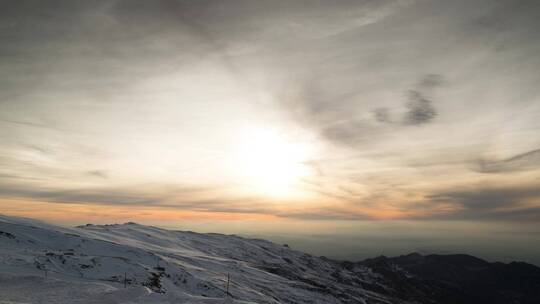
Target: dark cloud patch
{"type": "Point", "coordinates": [82, 196]}
{"type": "Point", "coordinates": [431, 81]}
{"type": "Point", "coordinates": [325, 214]}
{"type": "Point", "coordinates": [420, 109]}
{"type": "Point", "coordinates": [382, 115]}
{"type": "Point", "coordinates": [349, 132]}
{"type": "Point", "coordinates": [98, 173]}
{"type": "Point", "coordinates": [507, 21]}
{"type": "Point", "coordinates": [493, 203]}
{"type": "Point", "coordinates": [523, 161]}
{"type": "Point", "coordinates": [340, 113]}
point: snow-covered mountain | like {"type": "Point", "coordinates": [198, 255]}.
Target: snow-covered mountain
{"type": "Point", "coordinates": [132, 263]}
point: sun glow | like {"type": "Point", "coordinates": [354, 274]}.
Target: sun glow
{"type": "Point", "coordinates": [270, 163]}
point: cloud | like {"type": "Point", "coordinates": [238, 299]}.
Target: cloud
{"type": "Point", "coordinates": [201, 199]}
{"type": "Point", "coordinates": [105, 196]}
{"type": "Point", "coordinates": [431, 81]}
{"type": "Point", "coordinates": [420, 109]}
{"type": "Point", "coordinates": [523, 161]}
{"type": "Point", "coordinates": [98, 173]}
{"type": "Point", "coordinates": [39, 149]}
{"type": "Point", "coordinates": [382, 115]}
{"type": "Point", "coordinates": [27, 123]}
{"type": "Point", "coordinates": [325, 214]}
{"type": "Point", "coordinates": [341, 114]}
{"type": "Point", "coordinates": [492, 203]}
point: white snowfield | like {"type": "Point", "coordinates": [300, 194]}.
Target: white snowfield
{"type": "Point", "coordinates": [132, 263]}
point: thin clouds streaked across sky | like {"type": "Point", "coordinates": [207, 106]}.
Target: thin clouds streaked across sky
{"type": "Point", "coordinates": [291, 111]}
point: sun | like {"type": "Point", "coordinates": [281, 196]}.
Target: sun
{"type": "Point", "coordinates": [270, 163]}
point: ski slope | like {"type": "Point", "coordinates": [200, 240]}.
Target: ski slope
{"type": "Point", "coordinates": [132, 263]}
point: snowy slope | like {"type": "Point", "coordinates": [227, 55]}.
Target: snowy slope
{"type": "Point", "coordinates": [131, 263]}
{"type": "Point", "coordinates": [41, 263]}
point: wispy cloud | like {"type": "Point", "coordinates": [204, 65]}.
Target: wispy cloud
{"type": "Point", "coordinates": [27, 123]}
{"type": "Point", "coordinates": [493, 203]}
{"type": "Point", "coordinates": [98, 173]}
{"type": "Point", "coordinates": [523, 161]}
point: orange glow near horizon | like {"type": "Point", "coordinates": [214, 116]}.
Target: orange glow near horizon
{"type": "Point", "coordinates": [74, 213]}
{"type": "Point", "coordinates": [106, 214]}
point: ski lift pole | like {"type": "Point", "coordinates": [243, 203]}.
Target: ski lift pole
{"type": "Point", "coordinates": [228, 279]}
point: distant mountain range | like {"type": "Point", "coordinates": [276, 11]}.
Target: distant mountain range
{"type": "Point", "coordinates": [132, 263]}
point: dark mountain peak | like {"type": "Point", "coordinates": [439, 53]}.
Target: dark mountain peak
{"type": "Point", "coordinates": [457, 278]}
{"type": "Point", "coordinates": [410, 258]}
{"type": "Point", "coordinates": [413, 255]}
{"type": "Point", "coordinates": [378, 258]}
{"type": "Point", "coordinates": [463, 260]}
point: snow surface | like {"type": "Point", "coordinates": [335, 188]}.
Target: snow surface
{"type": "Point", "coordinates": [42, 263]}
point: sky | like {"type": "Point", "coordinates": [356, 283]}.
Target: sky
{"type": "Point", "coordinates": [347, 128]}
